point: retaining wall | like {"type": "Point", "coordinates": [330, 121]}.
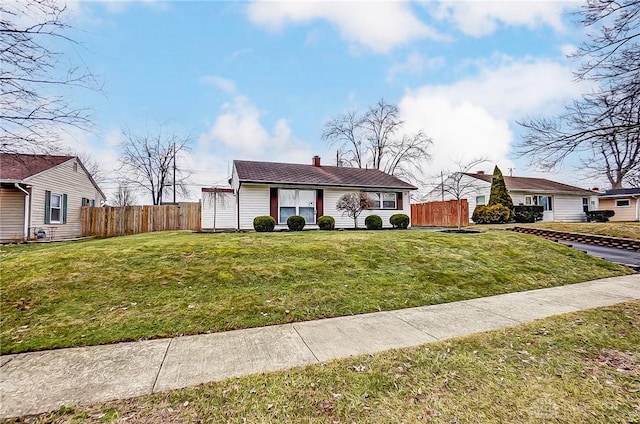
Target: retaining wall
{"type": "Point", "coordinates": [606, 241]}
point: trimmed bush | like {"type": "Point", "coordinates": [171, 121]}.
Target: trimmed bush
{"type": "Point", "coordinates": [494, 214]}
{"type": "Point", "coordinates": [528, 213]}
{"type": "Point", "coordinates": [599, 216]}
{"type": "Point", "coordinates": [399, 220]}
{"type": "Point", "coordinates": [373, 222]}
{"type": "Point", "coordinates": [296, 222]}
{"type": "Point", "coordinates": [264, 224]}
{"type": "Point", "coordinates": [326, 222]}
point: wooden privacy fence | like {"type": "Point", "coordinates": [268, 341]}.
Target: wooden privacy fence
{"type": "Point", "coordinates": [111, 221]}
{"type": "Point", "coordinates": [439, 214]}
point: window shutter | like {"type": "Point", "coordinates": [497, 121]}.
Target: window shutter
{"type": "Point", "coordinates": [319, 203]}
{"type": "Point", "coordinates": [399, 205]}
{"type": "Point", "coordinates": [47, 207]}
{"type": "Point", "coordinates": [64, 208]}
{"type": "Point", "coordinates": [93, 202]}
{"type": "Point", "coordinates": [273, 207]}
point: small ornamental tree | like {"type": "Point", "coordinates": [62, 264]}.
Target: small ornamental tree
{"type": "Point", "coordinates": [499, 194]}
{"type": "Point", "coordinates": [353, 204]}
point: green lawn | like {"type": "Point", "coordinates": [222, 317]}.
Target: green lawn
{"type": "Point", "coordinates": [577, 368]}
{"type": "Point", "coordinates": [613, 229]}
{"type": "Point", "coordinates": [172, 283]}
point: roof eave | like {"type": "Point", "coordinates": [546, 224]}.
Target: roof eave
{"type": "Point", "coordinates": [409, 187]}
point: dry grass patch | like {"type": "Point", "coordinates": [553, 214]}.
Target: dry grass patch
{"type": "Point", "coordinates": [572, 368]}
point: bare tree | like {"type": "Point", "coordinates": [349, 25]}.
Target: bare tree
{"type": "Point", "coordinates": [458, 185]}
{"type": "Point", "coordinates": [604, 123]}
{"type": "Point", "coordinates": [148, 160]}
{"type": "Point", "coordinates": [217, 197]}
{"type": "Point", "coordinates": [33, 78]}
{"type": "Point", "coordinates": [124, 196]}
{"type": "Point", "coordinates": [353, 204]}
{"type": "Point", "coordinates": [376, 140]}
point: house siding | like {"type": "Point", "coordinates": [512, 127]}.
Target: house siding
{"type": "Point", "coordinates": [11, 215]}
{"type": "Point", "coordinates": [62, 179]}
{"type": "Point", "coordinates": [621, 214]}
{"type": "Point", "coordinates": [568, 208]}
{"type": "Point", "coordinates": [253, 200]}
{"type": "Point", "coordinates": [331, 197]}
{"type": "Point", "coordinates": [225, 213]}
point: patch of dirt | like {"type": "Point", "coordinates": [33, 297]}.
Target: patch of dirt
{"type": "Point", "coordinates": [623, 362]}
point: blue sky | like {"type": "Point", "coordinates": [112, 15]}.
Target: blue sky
{"type": "Point", "coordinates": [258, 80]}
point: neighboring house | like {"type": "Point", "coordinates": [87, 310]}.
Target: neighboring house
{"type": "Point", "coordinates": [561, 202]}
{"type": "Point", "coordinates": [43, 193]}
{"type": "Point", "coordinates": [285, 189]}
{"type": "Point", "coordinates": [625, 202]}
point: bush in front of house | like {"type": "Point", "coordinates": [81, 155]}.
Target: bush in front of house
{"type": "Point", "coordinates": [326, 222]}
{"type": "Point", "coordinates": [528, 213]}
{"type": "Point", "coordinates": [494, 214]}
{"type": "Point", "coordinates": [373, 222]}
{"type": "Point", "coordinates": [399, 220]}
{"type": "Point", "coordinates": [296, 222]}
{"type": "Point", "coordinates": [599, 216]}
{"type": "Point", "coordinates": [264, 224]}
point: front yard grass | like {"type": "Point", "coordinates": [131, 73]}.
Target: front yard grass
{"type": "Point", "coordinates": [582, 367]}
{"type": "Point", "coordinates": [629, 230]}
{"type": "Point", "coordinates": [174, 283]}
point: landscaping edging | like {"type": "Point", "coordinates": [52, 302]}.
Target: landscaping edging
{"type": "Point", "coordinates": [606, 241]}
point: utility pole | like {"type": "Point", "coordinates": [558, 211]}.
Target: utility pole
{"type": "Point", "coordinates": [174, 173]}
{"type": "Point", "coordinates": [442, 184]}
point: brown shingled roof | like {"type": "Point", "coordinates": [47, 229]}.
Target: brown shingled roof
{"type": "Point", "coordinates": [20, 166]}
{"type": "Point", "coordinates": [291, 173]}
{"type": "Point", "coordinates": [533, 184]}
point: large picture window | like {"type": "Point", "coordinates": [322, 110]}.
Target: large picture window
{"type": "Point", "coordinates": [384, 200]}
{"type": "Point", "coordinates": [297, 202]}
{"type": "Point", "coordinates": [545, 201]}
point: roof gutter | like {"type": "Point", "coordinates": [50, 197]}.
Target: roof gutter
{"type": "Point", "coordinates": [26, 210]}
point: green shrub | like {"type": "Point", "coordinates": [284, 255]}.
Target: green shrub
{"type": "Point", "coordinates": [264, 224]}
{"type": "Point", "coordinates": [528, 213]}
{"type": "Point", "coordinates": [599, 216]}
{"type": "Point", "coordinates": [296, 222]}
{"type": "Point", "coordinates": [399, 220]}
{"type": "Point", "coordinates": [326, 222]}
{"type": "Point", "coordinates": [373, 222]}
{"type": "Point", "coordinates": [494, 214]}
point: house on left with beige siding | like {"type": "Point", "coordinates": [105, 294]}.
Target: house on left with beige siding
{"type": "Point", "coordinates": [41, 196]}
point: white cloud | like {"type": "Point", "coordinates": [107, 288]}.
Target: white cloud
{"type": "Point", "coordinates": [479, 17]}
{"type": "Point", "coordinates": [379, 26]}
{"type": "Point", "coordinates": [414, 65]}
{"type": "Point", "coordinates": [471, 118]}
{"type": "Point", "coordinates": [224, 84]}
{"type": "Point", "coordinates": [239, 130]}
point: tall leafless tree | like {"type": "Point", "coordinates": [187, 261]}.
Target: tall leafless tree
{"type": "Point", "coordinates": [376, 139]}
{"type": "Point", "coordinates": [124, 196]}
{"type": "Point", "coordinates": [34, 78]}
{"type": "Point", "coordinates": [604, 124]}
{"type": "Point", "coordinates": [148, 160]}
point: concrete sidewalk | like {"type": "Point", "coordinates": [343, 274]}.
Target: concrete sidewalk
{"type": "Point", "coordinates": [37, 382]}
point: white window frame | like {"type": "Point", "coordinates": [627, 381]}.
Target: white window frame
{"type": "Point", "coordinates": [59, 208]}
{"type": "Point", "coordinates": [628, 205]}
{"type": "Point", "coordinates": [484, 200]}
{"type": "Point", "coordinates": [297, 204]}
{"type": "Point", "coordinates": [378, 198]}
{"type": "Point", "coordinates": [535, 200]}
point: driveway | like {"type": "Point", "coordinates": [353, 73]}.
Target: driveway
{"type": "Point", "coordinates": [611, 254]}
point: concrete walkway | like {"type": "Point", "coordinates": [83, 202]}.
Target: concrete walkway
{"type": "Point", "coordinates": [37, 382]}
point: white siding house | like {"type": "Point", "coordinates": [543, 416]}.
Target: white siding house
{"type": "Point", "coordinates": [561, 202]}
{"type": "Point", "coordinates": [41, 195]}
{"type": "Point", "coordinates": [282, 189]}
{"type": "Point", "coordinates": [218, 209]}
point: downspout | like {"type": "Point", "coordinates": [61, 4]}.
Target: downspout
{"type": "Point", "coordinates": [238, 206]}
{"type": "Point", "coordinates": [26, 210]}
{"type": "Point", "coordinates": [637, 217]}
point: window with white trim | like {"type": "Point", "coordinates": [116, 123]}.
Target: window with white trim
{"type": "Point", "coordinates": [545, 201]}
{"type": "Point", "coordinates": [384, 200]}
{"type": "Point", "coordinates": [296, 202]}
{"type": "Point", "coordinates": [481, 200]}
{"type": "Point", "coordinates": [623, 203]}
{"type": "Point", "coordinates": [56, 208]}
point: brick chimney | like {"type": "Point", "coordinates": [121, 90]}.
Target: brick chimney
{"type": "Point", "coordinates": [315, 161]}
